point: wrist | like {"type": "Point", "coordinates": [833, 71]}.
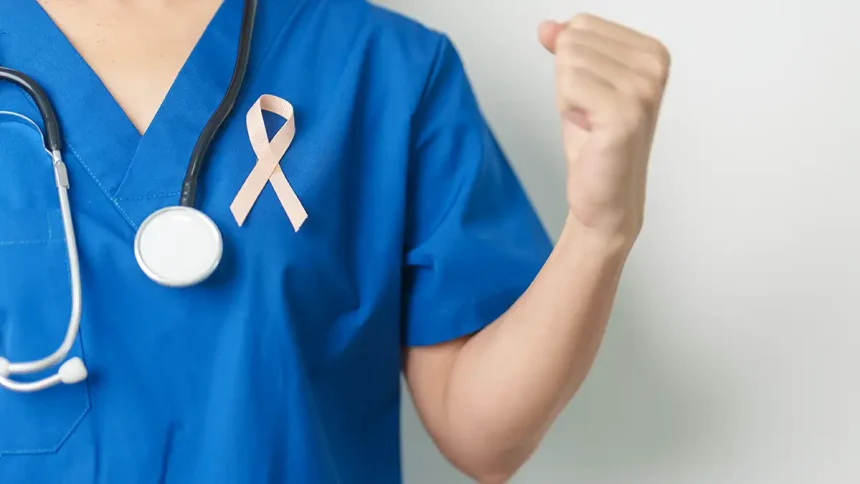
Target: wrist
{"type": "Point", "coordinates": [599, 243]}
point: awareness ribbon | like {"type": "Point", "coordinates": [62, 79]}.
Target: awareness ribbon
{"type": "Point", "coordinates": [268, 169]}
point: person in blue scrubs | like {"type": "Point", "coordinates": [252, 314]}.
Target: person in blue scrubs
{"type": "Point", "coordinates": [421, 253]}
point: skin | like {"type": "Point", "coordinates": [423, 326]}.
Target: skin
{"type": "Point", "coordinates": [487, 400]}
{"type": "Point", "coordinates": [136, 47]}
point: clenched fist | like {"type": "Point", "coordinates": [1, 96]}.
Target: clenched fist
{"type": "Point", "coordinates": [609, 82]}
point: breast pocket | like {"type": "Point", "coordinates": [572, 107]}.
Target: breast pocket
{"type": "Point", "coordinates": [35, 305]}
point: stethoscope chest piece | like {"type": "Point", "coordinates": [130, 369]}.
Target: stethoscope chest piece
{"type": "Point", "coordinates": [175, 246]}
{"type": "Point", "coordinates": [178, 246]}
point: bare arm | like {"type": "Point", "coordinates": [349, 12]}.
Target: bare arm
{"type": "Point", "coordinates": [488, 400]}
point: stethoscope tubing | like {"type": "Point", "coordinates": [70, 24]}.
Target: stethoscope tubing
{"type": "Point", "coordinates": [62, 182]}
{"type": "Point", "coordinates": [51, 137]}
{"type": "Point", "coordinates": [73, 370]}
{"type": "Point", "coordinates": [188, 193]}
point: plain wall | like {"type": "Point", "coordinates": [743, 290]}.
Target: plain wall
{"type": "Point", "coordinates": [732, 356]}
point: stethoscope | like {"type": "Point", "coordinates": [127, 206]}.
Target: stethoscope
{"type": "Point", "coordinates": [176, 246]}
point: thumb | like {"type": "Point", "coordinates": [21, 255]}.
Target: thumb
{"type": "Point", "coordinates": [548, 32]}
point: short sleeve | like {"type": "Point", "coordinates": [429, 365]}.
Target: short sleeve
{"type": "Point", "coordinates": [474, 242]}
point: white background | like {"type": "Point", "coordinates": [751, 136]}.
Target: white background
{"type": "Point", "coordinates": [732, 357]}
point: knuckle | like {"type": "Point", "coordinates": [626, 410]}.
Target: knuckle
{"type": "Point", "coordinates": [648, 91]}
{"type": "Point", "coordinates": [660, 60]}
{"type": "Point", "coordinates": [579, 57]}
{"type": "Point", "coordinates": [581, 74]}
{"type": "Point", "coordinates": [654, 66]}
{"type": "Point", "coordinates": [566, 46]}
{"type": "Point", "coordinates": [575, 54]}
{"type": "Point", "coordinates": [640, 89]}
{"type": "Point", "coordinates": [566, 36]}
{"type": "Point", "coordinates": [570, 38]}
{"type": "Point", "coordinates": [663, 53]}
{"type": "Point", "coordinates": [582, 21]}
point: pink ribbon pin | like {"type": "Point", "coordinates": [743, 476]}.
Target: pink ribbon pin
{"type": "Point", "coordinates": [268, 169]}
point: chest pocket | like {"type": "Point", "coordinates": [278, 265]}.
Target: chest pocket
{"type": "Point", "coordinates": [35, 299]}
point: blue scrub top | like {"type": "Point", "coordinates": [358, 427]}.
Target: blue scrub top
{"type": "Point", "coordinates": [284, 366]}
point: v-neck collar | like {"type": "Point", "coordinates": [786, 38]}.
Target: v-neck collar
{"type": "Point", "coordinates": [123, 163]}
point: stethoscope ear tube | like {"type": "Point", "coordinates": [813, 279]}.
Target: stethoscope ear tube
{"type": "Point", "coordinates": [188, 192]}
{"type": "Point", "coordinates": [53, 140]}
{"type": "Point", "coordinates": [74, 370]}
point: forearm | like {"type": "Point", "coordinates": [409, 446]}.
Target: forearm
{"type": "Point", "coordinates": [510, 381]}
